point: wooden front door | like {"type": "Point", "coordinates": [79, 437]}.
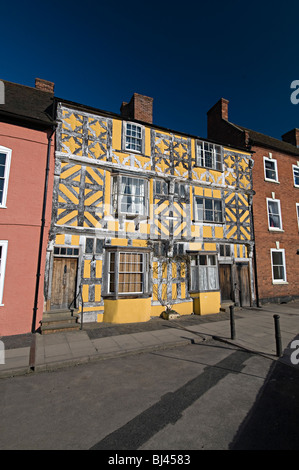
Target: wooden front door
{"type": "Point", "coordinates": [225, 279]}
{"type": "Point", "coordinates": [63, 282]}
{"type": "Point", "coordinates": [244, 284]}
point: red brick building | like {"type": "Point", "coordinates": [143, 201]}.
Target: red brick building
{"type": "Point", "coordinates": [275, 203]}
{"type": "Point", "coordinates": [26, 181]}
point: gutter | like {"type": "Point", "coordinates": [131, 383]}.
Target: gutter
{"type": "Point", "coordinates": [38, 273]}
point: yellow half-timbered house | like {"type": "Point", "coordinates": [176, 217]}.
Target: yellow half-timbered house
{"type": "Point", "coordinates": [143, 217]}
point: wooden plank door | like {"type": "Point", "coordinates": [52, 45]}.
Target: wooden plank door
{"type": "Point", "coordinates": [63, 282]}
{"type": "Point", "coordinates": [244, 284]}
{"type": "Point", "coordinates": [225, 279]}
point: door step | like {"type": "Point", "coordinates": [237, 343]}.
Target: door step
{"type": "Point", "coordinates": [60, 321]}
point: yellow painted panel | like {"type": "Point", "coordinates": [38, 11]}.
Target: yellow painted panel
{"type": "Point", "coordinates": [86, 273]}
{"type": "Point", "coordinates": [112, 225]}
{"type": "Point", "coordinates": [217, 193]}
{"type": "Point", "coordinates": [75, 240]}
{"type": "Point", "coordinates": [198, 191]}
{"type": "Point", "coordinates": [174, 271]}
{"type": "Point", "coordinates": [85, 291]}
{"type": "Point", "coordinates": [91, 218]}
{"type": "Point", "coordinates": [127, 310]}
{"type": "Point", "coordinates": [98, 268]}
{"type": "Point", "coordinates": [147, 148]}
{"type": "Point", "coordinates": [208, 192]}
{"type": "Point", "coordinates": [232, 233]}
{"type": "Point", "coordinates": [210, 246]}
{"type": "Point", "coordinates": [69, 195]}
{"type": "Point", "coordinates": [195, 231]}
{"type": "Point", "coordinates": [130, 227]}
{"type": "Point", "coordinates": [195, 246]}
{"type": "Point", "coordinates": [116, 134]}
{"type": "Point", "coordinates": [183, 290]}
{"type": "Point", "coordinates": [155, 270]}
{"type": "Point", "coordinates": [119, 242]}
{"type": "Point", "coordinates": [59, 239]}
{"type": "Point", "coordinates": [205, 303]}
{"type": "Point", "coordinates": [97, 292]}
{"type": "Point", "coordinates": [207, 232]}
{"type": "Point", "coordinates": [70, 171]}
{"type": "Point", "coordinates": [164, 270]}
{"type": "Point", "coordinates": [174, 292]}
{"type": "Point", "coordinates": [219, 232]}
{"type": "Point", "coordinates": [72, 121]}
{"type": "Point", "coordinates": [66, 218]}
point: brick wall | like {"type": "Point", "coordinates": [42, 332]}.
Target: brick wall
{"type": "Point", "coordinates": [264, 238]}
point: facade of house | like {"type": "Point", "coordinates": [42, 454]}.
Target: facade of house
{"type": "Point", "coordinates": [275, 203]}
{"type": "Point", "coordinates": [26, 126]}
{"type": "Point", "coordinates": [143, 216]}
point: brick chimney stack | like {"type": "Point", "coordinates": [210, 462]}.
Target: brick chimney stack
{"type": "Point", "coordinates": [44, 85]}
{"type": "Point", "coordinates": [139, 108]}
{"type": "Point", "coordinates": [292, 137]}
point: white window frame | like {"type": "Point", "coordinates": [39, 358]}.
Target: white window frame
{"type": "Point", "coordinates": [116, 273]}
{"type": "Point", "coordinates": [272, 160]}
{"type": "Point", "coordinates": [204, 277]}
{"type": "Point", "coordinates": [295, 167]}
{"type": "Point", "coordinates": [201, 157]}
{"type": "Point", "coordinates": [7, 152]}
{"type": "Point", "coordinates": [130, 146]}
{"type": "Point", "coordinates": [4, 245]}
{"type": "Point", "coordinates": [279, 213]}
{"type": "Point", "coordinates": [117, 196]}
{"type": "Point", "coordinates": [279, 281]}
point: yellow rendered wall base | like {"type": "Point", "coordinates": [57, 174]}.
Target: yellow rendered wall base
{"type": "Point", "coordinates": [185, 308]}
{"type": "Point", "coordinates": [127, 310]}
{"type": "Point", "coordinates": [205, 303]}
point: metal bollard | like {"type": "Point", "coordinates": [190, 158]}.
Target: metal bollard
{"type": "Point", "coordinates": [277, 335]}
{"type": "Point", "coordinates": [232, 322]}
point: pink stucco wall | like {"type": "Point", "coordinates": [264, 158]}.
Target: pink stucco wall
{"type": "Point", "coordinates": [20, 224]}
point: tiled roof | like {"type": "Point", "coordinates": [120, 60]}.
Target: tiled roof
{"type": "Point", "coordinates": [270, 142]}
{"type": "Point", "coordinates": [26, 103]}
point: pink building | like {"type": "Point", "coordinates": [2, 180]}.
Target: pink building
{"type": "Point", "coordinates": [26, 182]}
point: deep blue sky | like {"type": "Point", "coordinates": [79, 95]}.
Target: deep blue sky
{"type": "Point", "coordinates": [186, 55]}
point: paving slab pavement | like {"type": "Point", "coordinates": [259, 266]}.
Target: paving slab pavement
{"type": "Point", "coordinates": [254, 329]}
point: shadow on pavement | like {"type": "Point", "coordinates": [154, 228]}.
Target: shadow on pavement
{"type": "Point", "coordinates": [272, 423]}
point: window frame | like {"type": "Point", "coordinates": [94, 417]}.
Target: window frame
{"type": "Point", "coordinates": [201, 155]}
{"type": "Point", "coordinates": [279, 229]}
{"type": "Point", "coordinates": [8, 153]}
{"type": "Point", "coordinates": [125, 148]}
{"type": "Point", "coordinates": [116, 196]}
{"type": "Point", "coordinates": [204, 272]}
{"type": "Point", "coordinates": [117, 256]}
{"type": "Point", "coordinates": [272, 160]}
{"type": "Point", "coordinates": [295, 167]}
{"type": "Point", "coordinates": [282, 251]}
{"type": "Point", "coordinates": [203, 220]}
{"type": "Point", "coordinates": [3, 258]}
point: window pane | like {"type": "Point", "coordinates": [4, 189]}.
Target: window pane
{"type": "Point", "coordinates": [274, 216]}
{"type": "Point", "coordinates": [89, 245]}
{"type": "Point", "coordinates": [277, 257]}
{"type": "Point", "coordinates": [270, 170]}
